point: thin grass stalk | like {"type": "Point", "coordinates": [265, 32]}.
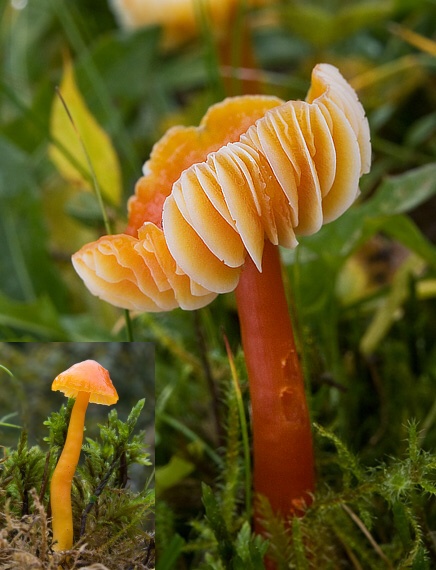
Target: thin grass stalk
{"type": "Point", "coordinates": [244, 430]}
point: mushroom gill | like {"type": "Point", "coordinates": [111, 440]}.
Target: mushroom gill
{"type": "Point", "coordinates": [283, 170]}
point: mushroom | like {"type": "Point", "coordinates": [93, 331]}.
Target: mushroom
{"type": "Point", "coordinates": [135, 270]}
{"type": "Point", "coordinates": [179, 18]}
{"type": "Point", "coordinates": [182, 21]}
{"type": "Point", "coordinates": [85, 381]}
{"type": "Point", "coordinates": [228, 200]}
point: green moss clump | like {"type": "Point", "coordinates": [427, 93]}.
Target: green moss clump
{"type": "Point", "coordinates": [113, 502]}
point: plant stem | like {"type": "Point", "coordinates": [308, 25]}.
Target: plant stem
{"type": "Point", "coordinates": [282, 439]}
{"type": "Point", "coordinates": [207, 371]}
{"type": "Point", "coordinates": [244, 429]}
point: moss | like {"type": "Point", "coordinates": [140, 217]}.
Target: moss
{"type": "Point", "coordinates": [113, 520]}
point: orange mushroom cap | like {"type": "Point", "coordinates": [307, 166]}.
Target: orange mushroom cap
{"type": "Point", "coordinates": [256, 168]}
{"type": "Point", "coordinates": [182, 147]}
{"type": "Point", "coordinates": [87, 376]}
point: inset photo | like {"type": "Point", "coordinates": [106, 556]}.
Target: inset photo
{"type": "Point", "coordinates": [77, 455]}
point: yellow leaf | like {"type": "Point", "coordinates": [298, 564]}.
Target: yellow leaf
{"type": "Point", "coordinates": [75, 167]}
{"type": "Point", "coordinates": [392, 305]}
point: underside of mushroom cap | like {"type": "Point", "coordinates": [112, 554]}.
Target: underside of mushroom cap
{"type": "Point", "coordinates": [212, 194]}
{"type": "Point", "coordinates": [135, 270]}
{"type": "Point", "coordinates": [138, 274]}
{"type": "Point", "coordinates": [87, 376]}
{"type": "Point", "coordinates": [182, 147]}
{"type": "Point", "coordinates": [340, 92]}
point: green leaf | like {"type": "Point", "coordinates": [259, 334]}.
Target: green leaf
{"type": "Point", "coordinates": [168, 558]}
{"type": "Point", "coordinates": [84, 328]}
{"type": "Point", "coordinates": [25, 267]}
{"type": "Point", "coordinates": [172, 473]}
{"type": "Point", "coordinates": [96, 142]}
{"type": "Point", "coordinates": [422, 130]}
{"type": "Point", "coordinates": [406, 232]}
{"type": "Point", "coordinates": [387, 312]}
{"type": "Point", "coordinates": [403, 193]}
{"type": "Point", "coordinates": [38, 318]}
{"type": "Point", "coordinates": [354, 17]}
{"type": "Point", "coordinates": [250, 550]}
{"type": "Point", "coordinates": [6, 370]}
{"type": "Point", "coordinates": [321, 26]}
{"type": "Point", "coordinates": [395, 195]}
{"type": "Point", "coordinates": [4, 420]}
{"type": "Point", "coordinates": [131, 57]}
{"type": "Point", "coordinates": [312, 23]}
{"type": "Point", "coordinates": [85, 208]}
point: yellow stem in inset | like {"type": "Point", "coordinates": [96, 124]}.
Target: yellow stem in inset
{"type": "Point", "coordinates": [61, 481]}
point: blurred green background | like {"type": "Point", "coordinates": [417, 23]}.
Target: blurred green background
{"type": "Point", "coordinates": [135, 87]}
{"type": "Point", "coordinates": [362, 291]}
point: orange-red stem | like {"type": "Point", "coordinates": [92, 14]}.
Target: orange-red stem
{"type": "Point", "coordinates": [282, 440]}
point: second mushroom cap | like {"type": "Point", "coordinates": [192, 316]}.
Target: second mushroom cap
{"type": "Point", "coordinates": [87, 376]}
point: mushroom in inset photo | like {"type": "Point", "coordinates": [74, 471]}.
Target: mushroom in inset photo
{"type": "Point", "coordinates": [87, 382]}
